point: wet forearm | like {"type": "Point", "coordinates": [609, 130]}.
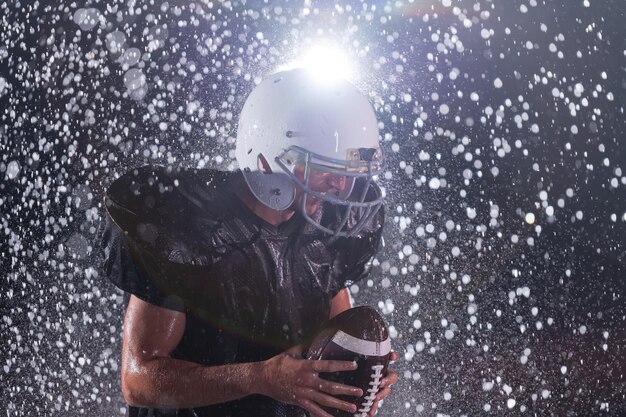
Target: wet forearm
{"type": "Point", "coordinates": [173, 383]}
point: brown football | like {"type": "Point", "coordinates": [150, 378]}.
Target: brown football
{"type": "Point", "coordinates": [358, 334]}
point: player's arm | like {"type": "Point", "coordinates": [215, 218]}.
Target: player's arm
{"type": "Point", "coordinates": [150, 378]}
{"type": "Point", "coordinates": [340, 303]}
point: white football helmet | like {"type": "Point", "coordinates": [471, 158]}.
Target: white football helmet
{"type": "Point", "coordinates": [291, 119]}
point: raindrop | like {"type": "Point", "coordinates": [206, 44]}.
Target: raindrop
{"type": "Point", "coordinates": [13, 169]}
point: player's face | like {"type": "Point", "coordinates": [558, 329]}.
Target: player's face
{"type": "Point", "coordinates": [327, 183]}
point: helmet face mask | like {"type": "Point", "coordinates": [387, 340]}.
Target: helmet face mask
{"type": "Point", "coordinates": [300, 144]}
{"type": "Point", "coordinates": [319, 179]}
{"type": "Point", "coordinates": [345, 171]}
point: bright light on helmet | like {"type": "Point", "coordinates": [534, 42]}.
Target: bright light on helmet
{"type": "Point", "coordinates": [325, 63]}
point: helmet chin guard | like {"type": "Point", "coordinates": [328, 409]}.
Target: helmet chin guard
{"type": "Point", "coordinates": [290, 120]}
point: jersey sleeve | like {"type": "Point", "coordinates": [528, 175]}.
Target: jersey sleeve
{"type": "Point", "coordinates": [131, 241]}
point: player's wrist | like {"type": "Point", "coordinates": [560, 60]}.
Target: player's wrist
{"type": "Point", "coordinates": [257, 380]}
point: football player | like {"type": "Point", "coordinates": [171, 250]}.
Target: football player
{"type": "Point", "coordinates": [230, 273]}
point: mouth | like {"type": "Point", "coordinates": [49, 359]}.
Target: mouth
{"type": "Point", "coordinates": [313, 200]}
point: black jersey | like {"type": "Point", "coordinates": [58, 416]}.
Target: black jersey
{"type": "Point", "coordinates": [183, 240]}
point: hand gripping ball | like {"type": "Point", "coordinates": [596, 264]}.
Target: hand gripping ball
{"type": "Point", "coordinates": [358, 334]}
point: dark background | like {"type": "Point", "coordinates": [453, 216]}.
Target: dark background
{"type": "Point", "coordinates": [490, 111]}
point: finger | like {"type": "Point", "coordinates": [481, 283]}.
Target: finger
{"type": "Point", "coordinates": [329, 401]}
{"type": "Point", "coordinates": [335, 388]}
{"type": "Point", "coordinates": [312, 408]}
{"type": "Point", "coordinates": [382, 394]}
{"type": "Point", "coordinates": [394, 356]}
{"type": "Point", "coordinates": [389, 380]}
{"type": "Point", "coordinates": [308, 379]}
{"type": "Point", "coordinates": [373, 409]}
{"type": "Point", "coordinates": [333, 366]}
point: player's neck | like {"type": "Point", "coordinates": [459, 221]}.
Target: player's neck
{"type": "Point", "coordinates": [271, 216]}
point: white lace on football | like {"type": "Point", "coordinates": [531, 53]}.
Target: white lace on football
{"type": "Point", "coordinates": [360, 346]}
{"type": "Point", "coordinates": [368, 401]}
